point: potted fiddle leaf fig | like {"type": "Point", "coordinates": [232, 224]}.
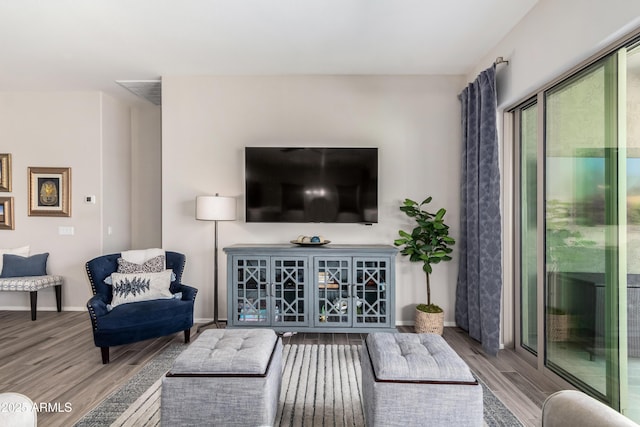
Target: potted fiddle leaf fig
{"type": "Point", "coordinates": [429, 243]}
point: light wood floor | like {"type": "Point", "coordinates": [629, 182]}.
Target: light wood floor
{"type": "Point", "coordinates": [54, 361]}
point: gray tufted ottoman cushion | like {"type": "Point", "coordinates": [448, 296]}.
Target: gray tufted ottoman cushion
{"type": "Point", "coordinates": [227, 377]}
{"type": "Point", "coordinates": [417, 379]}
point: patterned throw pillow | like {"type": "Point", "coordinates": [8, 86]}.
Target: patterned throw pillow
{"type": "Point", "coordinates": [154, 265]}
{"type": "Point", "coordinates": [135, 287]}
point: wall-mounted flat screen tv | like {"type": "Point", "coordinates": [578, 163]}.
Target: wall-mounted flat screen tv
{"type": "Point", "coordinates": [311, 184]}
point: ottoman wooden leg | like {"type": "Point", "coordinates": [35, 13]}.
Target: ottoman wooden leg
{"type": "Point", "coordinates": [33, 297]}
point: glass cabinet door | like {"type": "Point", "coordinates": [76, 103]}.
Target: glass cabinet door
{"type": "Point", "coordinates": [251, 290]}
{"type": "Point", "coordinates": [370, 285]}
{"type": "Point", "coordinates": [333, 286]}
{"type": "Point", "coordinates": [289, 302]}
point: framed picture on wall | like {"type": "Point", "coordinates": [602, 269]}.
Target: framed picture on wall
{"type": "Point", "coordinates": [5, 172]}
{"type": "Point", "coordinates": [6, 213]}
{"type": "Point", "coordinates": [49, 191]}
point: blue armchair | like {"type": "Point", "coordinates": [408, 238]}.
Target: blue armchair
{"type": "Point", "coordinates": [137, 321]}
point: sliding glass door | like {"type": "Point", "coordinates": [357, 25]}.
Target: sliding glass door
{"type": "Point", "coordinates": [578, 207]}
{"type": "Point", "coordinates": [580, 210]}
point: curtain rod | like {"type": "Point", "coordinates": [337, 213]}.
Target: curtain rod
{"type": "Point", "coordinates": [501, 60]}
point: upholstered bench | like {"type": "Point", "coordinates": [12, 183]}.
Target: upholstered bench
{"type": "Point", "coordinates": [417, 379]}
{"type": "Point", "coordinates": [227, 377]}
{"type": "Point", "coordinates": [33, 284]}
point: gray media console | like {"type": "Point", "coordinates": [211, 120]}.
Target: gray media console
{"type": "Point", "coordinates": [328, 288]}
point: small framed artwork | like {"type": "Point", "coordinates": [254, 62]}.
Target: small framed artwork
{"type": "Point", "coordinates": [6, 213]}
{"type": "Point", "coordinates": [5, 172]}
{"type": "Point", "coordinates": [49, 191]}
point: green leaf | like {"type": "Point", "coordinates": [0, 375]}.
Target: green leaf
{"type": "Point", "coordinates": [404, 234]}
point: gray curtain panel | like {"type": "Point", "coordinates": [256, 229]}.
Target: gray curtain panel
{"type": "Point", "coordinates": [480, 275]}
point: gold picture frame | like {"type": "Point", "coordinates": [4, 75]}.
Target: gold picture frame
{"type": "Point", "coordinates": [5, 172]}
{"type": "Point", "coordinates": [49, 191]}
{"type": "Point", "coordinates": [6, 213]}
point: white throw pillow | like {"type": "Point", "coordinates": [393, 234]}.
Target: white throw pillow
{"type": "Point", "coordinates": [140, 256]}
{"type": "Point", "coordinates": [135, 287]}
{"type": "Point", "coordinates": [23, 251]}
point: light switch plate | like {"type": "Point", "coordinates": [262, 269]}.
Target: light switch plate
{"type": "Point", "coordinates": [66, 231]}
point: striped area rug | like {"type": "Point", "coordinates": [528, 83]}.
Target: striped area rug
{"type": "Point", "coordinates": [321, 386]}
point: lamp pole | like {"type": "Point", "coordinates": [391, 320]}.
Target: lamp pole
{"type": "Point", "coordinates": [215, 208]}
{"type": "Point", "coordinates": [215, 274]}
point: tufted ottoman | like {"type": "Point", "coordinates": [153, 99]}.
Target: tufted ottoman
{"type": "Point", "coordinates": [227, 377]}
{"type": "Point", "coordinates": [417, 379]}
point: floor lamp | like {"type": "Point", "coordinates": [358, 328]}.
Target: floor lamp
{"type": "Point", "coordinates": [215, 208]}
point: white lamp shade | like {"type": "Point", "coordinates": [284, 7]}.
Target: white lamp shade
{"type": "Point", "coordinates": [215, 208]}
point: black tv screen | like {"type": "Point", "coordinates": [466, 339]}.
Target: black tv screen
{"type": "Point", "coordinates": [311, 184]}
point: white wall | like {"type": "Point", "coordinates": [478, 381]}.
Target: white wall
{"type": "Point", "coordinates": [146, 175]}
{"type": "Point", "coordinates": [553, 37]}
{"type": "Point", "coordinates": [207, 121]}
{"type": "Point", "coordinates": [116, 175]}
{"type": "Point", "coordinates": [61, 129]}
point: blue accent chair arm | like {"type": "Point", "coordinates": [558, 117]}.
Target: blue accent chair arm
{"type": "Point", "coordinates": [98, 304]}
{"type": "Point", "coordinates": [188, 292]}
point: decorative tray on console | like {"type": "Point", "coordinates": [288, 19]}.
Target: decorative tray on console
{"type": "Point", "coordinates": [295, 242]}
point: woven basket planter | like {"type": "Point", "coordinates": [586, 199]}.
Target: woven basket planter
{"type": "Point", "coordinates": [429, 323]}
{"type": "Point", "coordinates": [558, 327]}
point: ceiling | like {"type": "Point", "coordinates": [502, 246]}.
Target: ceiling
{"type": "Point", "coordinates": [89, 44]}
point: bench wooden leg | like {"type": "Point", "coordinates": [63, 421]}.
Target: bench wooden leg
{"type": "Point", "coordinates": [59, 297]}
{"type": "Point", "coordinates": [33, 297]}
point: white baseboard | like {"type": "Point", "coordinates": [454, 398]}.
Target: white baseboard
{"type": "Point", "coordinates": [45, 308]}
{"type": "Point", "coordinates": [412, 323]}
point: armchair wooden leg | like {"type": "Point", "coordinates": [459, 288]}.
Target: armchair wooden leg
{"type": "Point", "coordinates": [187, 335]}
{"type": "Point", "coordinates": [105, 355]}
